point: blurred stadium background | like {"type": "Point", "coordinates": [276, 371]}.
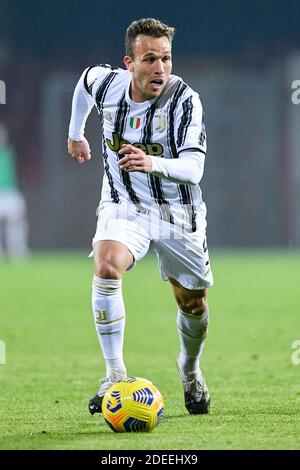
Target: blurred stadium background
{"type": "Point", "coordinates": [241, 57]}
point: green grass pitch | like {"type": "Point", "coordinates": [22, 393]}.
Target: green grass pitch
{"type": "Point", "coordinates": [53, 361]}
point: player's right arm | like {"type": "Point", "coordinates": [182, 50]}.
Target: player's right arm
{"type": "Point", "coordinates": [82, 104]}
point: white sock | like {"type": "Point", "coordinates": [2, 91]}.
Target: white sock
{"type": "Point", "coordinates": [109, 317]}
{"type": "Point", "coordinates": [115, 369]}
{"type": "Point", "coordinates": [192, 332]}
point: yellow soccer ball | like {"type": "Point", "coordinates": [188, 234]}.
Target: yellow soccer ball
{"type": "Point", "coordinates": [133, 405]}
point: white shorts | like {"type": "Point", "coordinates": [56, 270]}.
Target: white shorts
{"type": "Point", "coordinates": [182, 255]}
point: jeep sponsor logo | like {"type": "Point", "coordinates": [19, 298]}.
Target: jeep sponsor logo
{"type": "Point", "coordinates": [117, 142]}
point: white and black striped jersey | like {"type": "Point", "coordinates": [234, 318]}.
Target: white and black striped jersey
{"type": "Point", "coordinates": [162, 127]}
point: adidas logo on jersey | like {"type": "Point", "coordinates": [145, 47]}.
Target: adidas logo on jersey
{"type": "Point", "coordinates": [108, 117]}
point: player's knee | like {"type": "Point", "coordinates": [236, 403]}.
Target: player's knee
{"type": "Point", "coordinates": [106, 270]}
{"type": "Point", "coordinates": [194, 306]}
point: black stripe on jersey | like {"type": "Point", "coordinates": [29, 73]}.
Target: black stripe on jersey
{"type": "Point", "coordinates": [186, 118]}
{"type": "Point", "coordinates": [192, 149]}
{"type": "Point", "coordinates": [155, 184]}
{"type": "Point", "coordinates": [146, 136]}
{"type": "Point", "coordinates": [121, 116]}
{"type": "Point", "coordinates": [100, 96]}
{"type": "Point", "coordinates": [102, 90]}
{"type": "Point", "coordinates": [202, 136]}
{"type": "Point", "coordinates": [186, 199]}
{"type": "Point", "coordinates": [113, 192]}
{"type": "Point", "coordinates": [171, 135]}
{"type": "Point", "coordinates": [87, 86]}
{"type": "Point", "coordinates": [184, 191]}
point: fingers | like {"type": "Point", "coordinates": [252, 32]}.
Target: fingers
{"type": "Point", "coordinates": [128, 148]}
{"type": "Point", "coordinates": [134, 159]}
{"type": "Point", "coordinates": [131, 161]}
{"type": "Point", "coordinates": [132, 169]}
{"type": "Point", "coordinates": [81, 158]}
{"type": "Point", "coordinates": [80, 151]}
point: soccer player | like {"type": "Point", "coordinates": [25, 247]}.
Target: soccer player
{"type": "Point", "coordinates": [154, 147]}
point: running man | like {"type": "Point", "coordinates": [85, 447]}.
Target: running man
{"type": "Point", "coordinates": [154, 147]}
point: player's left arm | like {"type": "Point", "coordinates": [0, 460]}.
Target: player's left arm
{"type": "Point", "coordinates": [188, 169]}
{"type": "Point", "coordinates": [190, 139]}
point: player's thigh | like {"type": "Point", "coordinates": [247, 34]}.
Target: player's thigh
{"type": "Point", "coordinates": [119, 240]}
{"type": "Point", "coordinates": [111, 258]}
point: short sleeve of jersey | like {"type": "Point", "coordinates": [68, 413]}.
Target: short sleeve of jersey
{"type": "Point", "coordinates": [189, 123]}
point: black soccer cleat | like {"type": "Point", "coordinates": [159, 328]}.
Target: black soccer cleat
{"type": "Point", "coordinates": [95, 404]}
{"type": "Point", "coordinates": [196, 394]}
{"type": "Point", "coordinates": [196, 397]}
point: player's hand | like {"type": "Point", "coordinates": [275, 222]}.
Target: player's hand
{"type": "Point", "coordinates": [134, 159]}
{"type": "Point", "coordinates": [79, 150]}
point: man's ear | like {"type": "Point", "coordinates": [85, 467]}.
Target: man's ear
{"type": "Point", "coordinates": [128, 63]}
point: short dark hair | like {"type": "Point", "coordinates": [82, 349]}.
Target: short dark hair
{"type": "Point", "coordinates": [149, 27]}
